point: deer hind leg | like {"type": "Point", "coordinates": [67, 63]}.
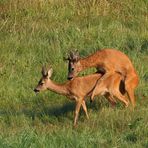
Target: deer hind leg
{"type": "Point", "coordinates": [121, 97]}
{"type": "Point", "coordinates": [77, 110]}
{"type": "Point", "coordinates": [85, 109]}
{"type": "Point", "coordinates": [115, 91]}
{"type": "Point", "coordinates": [130, 93]}
{"type": "Point", "coordinates": [111, 99]}
{"type": "Point", "coordinates": [131, 83]}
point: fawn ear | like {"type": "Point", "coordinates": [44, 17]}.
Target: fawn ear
{"type": "Point", "coordinates": [49, 73]}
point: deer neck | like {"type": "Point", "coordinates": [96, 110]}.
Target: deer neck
{"type": "Point", "coordinates": [57, 88]}
{"type": "Point", "coordinates": [89, 62]}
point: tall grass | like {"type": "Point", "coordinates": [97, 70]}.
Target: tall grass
{"type": "Point", "coordinates": [35, 32]}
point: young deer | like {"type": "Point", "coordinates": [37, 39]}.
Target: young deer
{"type": "Point", "coordinates": [80, 87]}
{"type": "Point", "coordinates": [107, 61]}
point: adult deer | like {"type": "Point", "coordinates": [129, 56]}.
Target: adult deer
{"type": "Point", "coordinates": [107, 61]}
{"type": "Point", "coordinates": [80, 87]}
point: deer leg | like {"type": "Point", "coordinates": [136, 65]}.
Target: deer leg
{"type": "Point", "coordinates": [111, 99]}
{"type": "Point", "coordinates": [131, 96]}
{"type": "Point", "coordinates": [77, 109]}
{"type": "Point", "coordinates": [85, 109]}
{"type": "Point", "coordinates": [131, 83]}
{"type": "Point", "coordinates": [122, 98]}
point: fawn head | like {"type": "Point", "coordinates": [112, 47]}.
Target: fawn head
{"type": "Point", "coordinates": [73, 64]}
{"type": "Point", "coordinates": [42, 84]}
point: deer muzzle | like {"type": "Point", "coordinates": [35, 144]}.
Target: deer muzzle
{"type": "Point", "coordinates": [36, 90]}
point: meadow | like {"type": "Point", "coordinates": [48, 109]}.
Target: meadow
{"type": "Point", "coordinates": [37, 32]}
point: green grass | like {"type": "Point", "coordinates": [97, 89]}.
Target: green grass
{"type": "Point", "coordinates": [35, 32]}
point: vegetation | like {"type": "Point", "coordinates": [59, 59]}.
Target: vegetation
{"type": "Point", "coordinates": [35, 32]}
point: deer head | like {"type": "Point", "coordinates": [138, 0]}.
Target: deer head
{"type": "Point", "coordinates": [73, 64]}
{"type": "Point", "coordinates": [42, 84]}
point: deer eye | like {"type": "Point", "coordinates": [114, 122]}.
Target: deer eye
{"type": "Point", "coordinates": [41, 83]}
{"type": "Point", "coordinates": [72, 69]}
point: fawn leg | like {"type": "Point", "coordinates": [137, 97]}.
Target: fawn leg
{"type": "Point", "coordinates": [122, 98]}
{"type": "Point", "coordinates": [77, 109]}
{"type": "Point", "coordinates": [111, 99]}
{"type": "Point", "coordinates": [85, 109]}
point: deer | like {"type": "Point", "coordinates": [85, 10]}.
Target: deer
{"type": "Point", "coordinates": [79, 88]}
{"type": "Point", "coordinates": [106, 61]}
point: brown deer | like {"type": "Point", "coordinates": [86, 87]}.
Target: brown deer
{"type": "Point", "coordinates": [80, 87]}
{"type": "Point", "coordinates": [108, 62]}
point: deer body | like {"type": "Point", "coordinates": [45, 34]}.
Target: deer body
{"type": "Point", "coordinates": [80, 87]}
{"type": "Point", "coordinates": [75, 88]}
{"type": "Point", "coordinates": [108, 59]}
{"type": "Point", "coordinates": [111, 61]}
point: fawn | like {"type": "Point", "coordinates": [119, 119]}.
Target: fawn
{"type": "Point", "coordinates": [80, 87]}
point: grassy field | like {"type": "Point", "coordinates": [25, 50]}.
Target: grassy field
{"type": "Point", "coordinates": [35, 32]}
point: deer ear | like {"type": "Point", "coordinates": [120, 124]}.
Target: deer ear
{"type": "Point", "coordinates": [50, 71]}
{"type": "Point", "coordinates": [44, 71]}
{"type": "Point", "coordinates": [66, 57]}
{"type": "Point", "coordinates": [76, 55]}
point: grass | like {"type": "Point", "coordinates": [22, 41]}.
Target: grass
{"type": "Point", "coordinates": [35, 32]}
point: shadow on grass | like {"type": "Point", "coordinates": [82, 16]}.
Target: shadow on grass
{"type": "Point", "coordinates": [59, 110]}
{"type": "Point", "coordinates": [56, 111]}
{"type": "Point", "coordinates": [50, 111]}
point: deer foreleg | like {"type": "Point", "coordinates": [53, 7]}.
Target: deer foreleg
{"type": "Point", "coordinates": [85, 108]}
{"type": "Point", "coordinates": [77, 109]}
